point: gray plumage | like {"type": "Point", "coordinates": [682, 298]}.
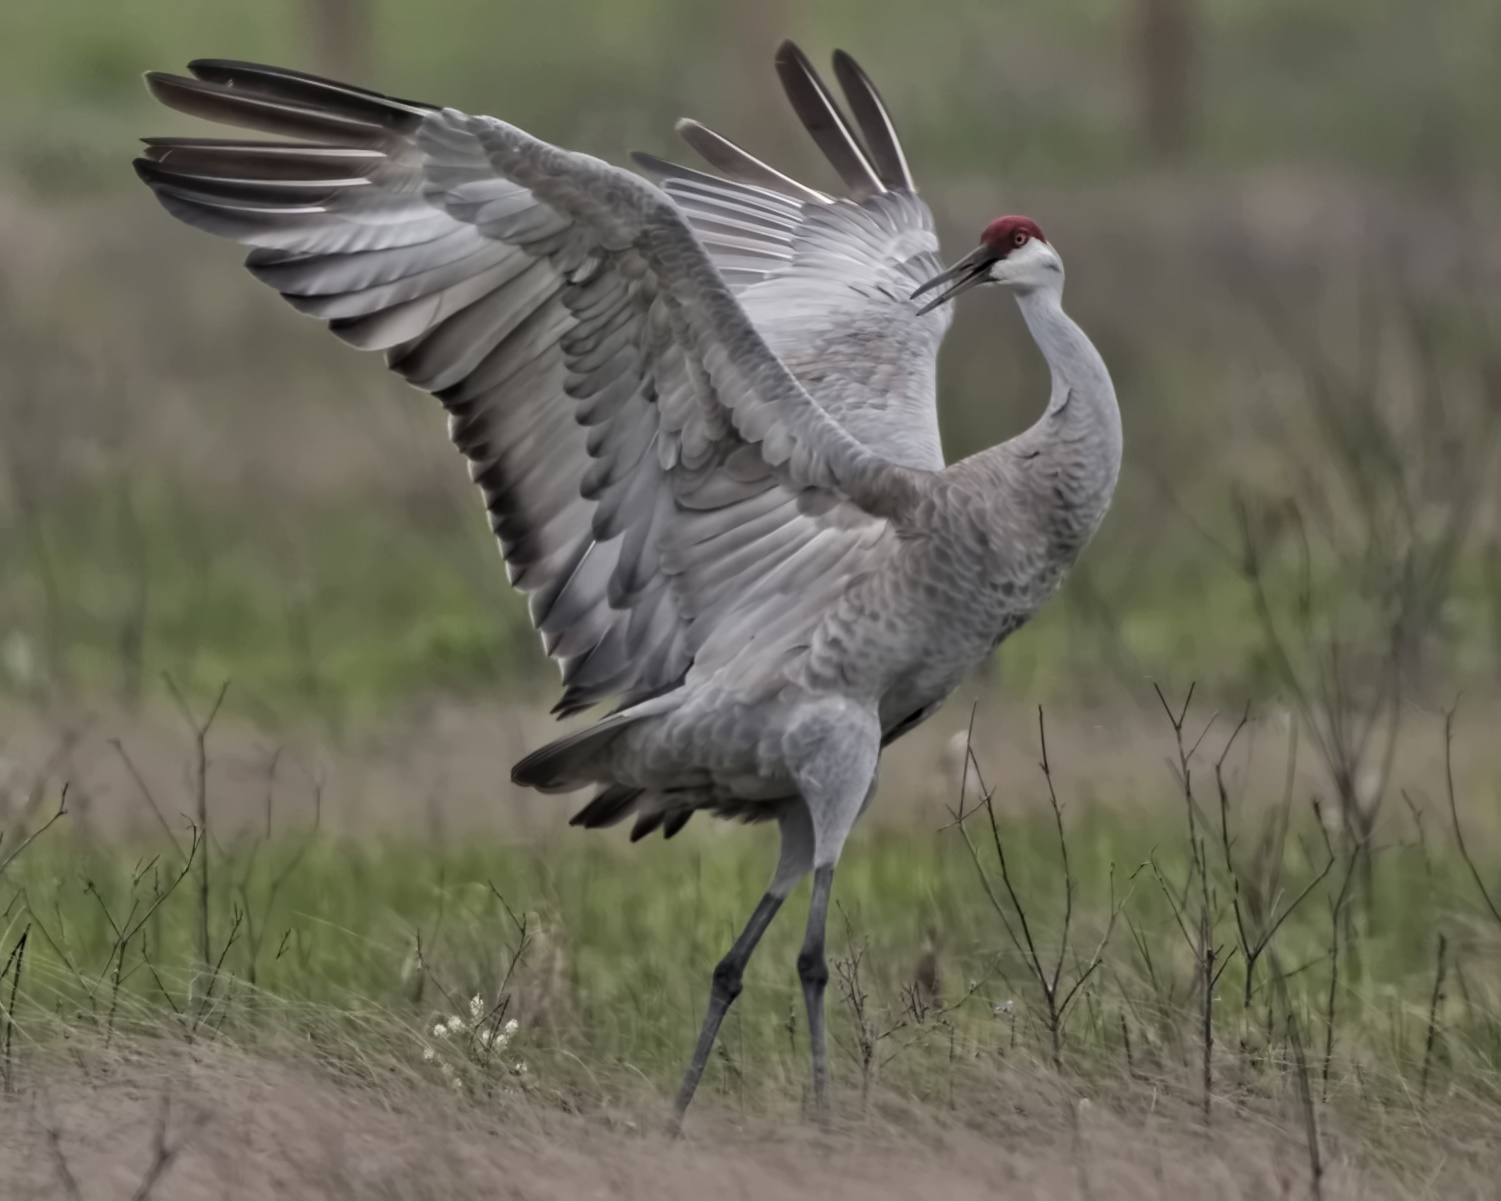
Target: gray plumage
{"type": "Point", "coordinates": [702, 418]}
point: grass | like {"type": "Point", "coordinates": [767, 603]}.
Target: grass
{"type": "Point", "coordinates": [1387, 1008]}
{"type": "Point", "coordinates": [195, 491]}
{"type": "Point", "coordinates": [342, 612]}
{"type": "Point", "coordinates": [1311, 80]}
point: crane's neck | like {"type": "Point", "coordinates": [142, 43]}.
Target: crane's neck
{"type": "Point", "coordinates": [1082, 394]}
{"type": "Point", "coordinates": [1070, 457]}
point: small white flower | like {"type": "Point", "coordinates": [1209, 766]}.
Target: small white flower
{"type": "Point", "coordinates": [476, 1007]}
{"type": "Point", "coordinates": [440, 1031]}
{"type": "Point", "coordinates": [520, 1068]}
{"type": "Point", "coordinates": [455, 1024]}
{"type": "Point", "coordinates": [512, 1026]}
{"type": "Point", "coordinates": [428, 1054]}
{"type": "Point", "coordinates": [447, 1069]}
{"type": "Point", "coordinates": [484, 1037]}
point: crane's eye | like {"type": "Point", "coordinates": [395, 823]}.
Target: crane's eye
{"type": "Point", "coordinates": [1019, 238]}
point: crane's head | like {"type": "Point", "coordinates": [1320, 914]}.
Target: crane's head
{"type": "Point", "coordinates": [1012, 252]}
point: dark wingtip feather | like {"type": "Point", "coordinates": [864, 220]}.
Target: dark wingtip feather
{"type": "Point", "coordinates": [143, 168]}
{"type": "Point", "coordinates": [740, 165]}
{"type": "Point", "coordinates": [162, 85]}
{"type": "Point", "coordinates": [286, 115]}
{"type": "Point", "coordinates": [286, 84]}
{"type": "Point", "coordinates": [820, 115]}
{"type": "Point", "coordinates": [289, 103]}
{"type": "Point", "coordinates": [660, 168]}
{"type": "Point", "coordinates": [875, 122]}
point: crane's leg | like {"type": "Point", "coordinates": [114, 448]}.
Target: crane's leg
{"type": "Point", "coordinates": [834, 753]}
{"type": "Point", "coordinates": [792, 865]}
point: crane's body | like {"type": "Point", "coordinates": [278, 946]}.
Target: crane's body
{"type": "Point", "coordinates": [899, 637]}
{"type": "Point", "coordinates": [703, 421]}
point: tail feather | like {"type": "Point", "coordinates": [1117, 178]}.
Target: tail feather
{"type": "Point", "coordinates": [654, 811]}
{"type": "Point", "coordinates": [663, 815]}
{"type": "Point", "coordinates": [579, 759]}
{"type": "Point", "coordinates": [609, 808]}
{"type": "Point", "coordinates": [645, 824]}
{"type": "Point", "coordinates": [564, 764]}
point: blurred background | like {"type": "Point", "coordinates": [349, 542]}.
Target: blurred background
{"type": "Point", "coordinates": [1281, 225]}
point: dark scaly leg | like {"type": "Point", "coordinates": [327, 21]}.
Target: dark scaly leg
{"type": "Point", "coordinates": [792, 866]}
{"type": "Point", "coordinates": [833, 751]}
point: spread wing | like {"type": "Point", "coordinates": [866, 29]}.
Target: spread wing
{"type": "Point", "coordinates": [652, 470]}
{"type": "Point", "coordinates": [826, 279]}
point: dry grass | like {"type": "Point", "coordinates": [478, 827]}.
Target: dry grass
{"type": "Point", "coordinates": [234, 1125]}
{"type": "Point", "coordinates": [161, 385]}
{"type": "Point", "coordinates": [444, 770]}
{"type": "Point", "coordinates": [305, 1075]}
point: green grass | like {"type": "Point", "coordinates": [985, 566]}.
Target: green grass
{"type": "Point", "coordinates": [341, 612]}
{"type": "Point", "coordinates": [1045, 88]}
{"type": "Point", "coordinates": [364, 946]}
{"type": "Point", "coordinates": [330, 614]}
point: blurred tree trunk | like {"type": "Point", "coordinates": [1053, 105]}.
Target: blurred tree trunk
{"type": "Point", "coordinates": [341, 35]}
{"type": "Point", "coordinates": [755, 29]}
{"type": "Point", "coordinates": [1165, 49]}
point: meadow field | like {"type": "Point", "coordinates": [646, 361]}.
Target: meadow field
{"type": "Point", "coordinates": [1194, 890]}
{"type": "Point", "coordinates": [231, 962]}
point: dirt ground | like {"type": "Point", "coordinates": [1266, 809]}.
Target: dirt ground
{"type": "Point", "coordinates": [200, 1123]}
{"type": "Point", "coordinates": [445, 770]}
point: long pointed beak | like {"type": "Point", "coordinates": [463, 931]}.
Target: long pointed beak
{"type": "Point", "coordinates": [968, 272]}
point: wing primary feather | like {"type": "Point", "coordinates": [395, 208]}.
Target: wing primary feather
{"type": "Point", "coordinates": [280, 161]}
{"type": "Point", "coordinates": [232, 106]}
{"type": "Point", "coordinates": [779, 204]}
{"type": "Point", "coordinates": [821, 117]}
{"type": "Point", "coordinates": [302, 88]}
{"type": "Point", "coordinates": [874, 121]}
{"type": "Point", "coordinates": [718, 151]}
{"type": "Point", "coordinates": [576, 381]}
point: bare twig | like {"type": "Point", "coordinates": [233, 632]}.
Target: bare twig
{"type": "Point", "coordinates": [1434, 1002]}
{"type": "Point", "coordinates": [1305, 1083]}
{"type": "Point", "coordinates": [1459, 835]}
{"type": "Point", "coordinates": [1057, 1000]}
{"type": "Point", "coordinates": [60, 1163]}
{"type": "Point", "coordinates": [1336, 908]}
{"type": "Point", "coordinates": [164, 1153]}
{"type": "Point", "coordinates": [62, 811]}
{"type": "Point", "coordinates": [200, 762]}
{"type": "Point", "coordinates": [237, 919]}
{"type": "Point", "coordinates": [145, 792]}
{"type": "Point", "coordinates": [13, 964]}
{"type": "Point", "coordinates": [1201, 942]}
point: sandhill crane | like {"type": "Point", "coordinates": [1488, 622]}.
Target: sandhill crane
{"type": "Point", "coordinates": [702, 417]}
